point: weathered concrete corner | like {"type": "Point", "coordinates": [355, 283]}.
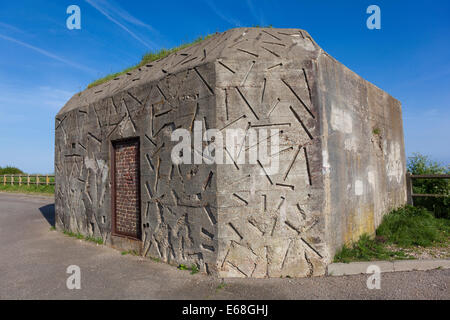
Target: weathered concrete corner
{"type": "Point", "coordinates": [341, 154]}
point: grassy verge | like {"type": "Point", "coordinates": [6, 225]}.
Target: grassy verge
{"type": "Point", "coordinates": [402, 229]}
{"type": "Point", "coordinates": [41, 189]}
{"type": "Point", "coordinates": [146, 59]}
{"type": "Point", "coordinates": [82, 237]}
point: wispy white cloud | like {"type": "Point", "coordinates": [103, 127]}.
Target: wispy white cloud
{"type": "Point", "coordinates": [230, 20]}
{"type": "Point", "coordinates": [113, 7]}
{"type": "Point", "coordinates": [114, 13]}
{"type": "Point", "coordinates": [47, 54]}
{"type": "Point", "coordinates": [257, 14]}
{"type": "Point", "coordinates": [10, 27]}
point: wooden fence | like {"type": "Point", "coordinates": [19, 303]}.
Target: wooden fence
{"type": "Point", "coordinates": [409, 185]}
{"type": "Point", "coordinates": [37, 179]}
{"type": "Point", "coordinates": [27, 179]}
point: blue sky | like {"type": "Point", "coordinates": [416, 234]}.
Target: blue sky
{"type": "Point", "coordinates": [42, 63]}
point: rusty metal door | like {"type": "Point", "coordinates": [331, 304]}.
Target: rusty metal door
{"type": "Point", "coordinates": [126, 213]}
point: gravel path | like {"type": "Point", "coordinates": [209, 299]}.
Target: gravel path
{"type": "Point", "coordinates": [33, 263]}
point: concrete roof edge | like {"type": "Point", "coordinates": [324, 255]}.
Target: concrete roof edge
{"type": "Point", "coordinates": [84, 98]}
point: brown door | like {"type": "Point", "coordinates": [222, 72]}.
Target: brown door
{"type": "Point", "coordinates": [126, 189]}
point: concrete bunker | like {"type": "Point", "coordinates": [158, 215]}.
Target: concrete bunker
{"type": "Point", "coordinates": [341, 167]}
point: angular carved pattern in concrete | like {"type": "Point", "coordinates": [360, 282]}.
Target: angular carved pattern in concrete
{"type": "Point", "coordinates": [342, 160]}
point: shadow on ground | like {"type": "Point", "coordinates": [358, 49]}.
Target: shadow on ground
{"type": "Point", "coordinates": [48, 211]}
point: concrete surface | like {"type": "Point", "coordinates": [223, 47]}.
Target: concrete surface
{"type": "Point", "coordinates": [341, 155]}
{"type": "Point", "coordinates": [340, 269]}
{"type": "Point", "coordinates": [33, 263]}
{"type": "Point", "coordinates": [421, 265]}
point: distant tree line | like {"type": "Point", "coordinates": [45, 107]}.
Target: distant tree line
{"type": "Point", "coordinates": [10, 170]}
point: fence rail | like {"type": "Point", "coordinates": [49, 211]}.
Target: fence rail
{"type": "Point", "coordinates": [409, 186]}
{"type": "Point", "coordinates": [27, 179]}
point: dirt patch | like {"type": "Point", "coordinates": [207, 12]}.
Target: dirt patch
{"type": "Point", "coordinates": [424, 253]}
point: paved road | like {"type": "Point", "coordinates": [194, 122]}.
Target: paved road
{"type": "Point", "coordinates": [33, 262]}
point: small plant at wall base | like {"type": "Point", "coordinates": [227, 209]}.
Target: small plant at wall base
{"type": "Point", "coordinates": [79, 236]}
{"type": "Point", "coordinates": [418, 165]}
{"type": "Point", "coordinates": [367, 249]}
{"type": "Point", "coordinates": [194, 268]}
{"type": "Point", "coordinates": [221, 286]}
{"type": "Point", "coordinates": [131, 252]}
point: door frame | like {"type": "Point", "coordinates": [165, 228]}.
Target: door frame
{"type": "Point", "coordinates": [113, 187]}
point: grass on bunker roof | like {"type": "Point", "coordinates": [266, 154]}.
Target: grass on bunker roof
{"type": "Point", "coordinates": [157, 55]}
{"type": "Point", "coordinates": [148, 58]}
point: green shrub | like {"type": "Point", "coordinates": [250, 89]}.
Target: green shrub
{"type": "Point", "coordinates": [419, 164]}
{"type": "Point", "coordinates": [10, 170]}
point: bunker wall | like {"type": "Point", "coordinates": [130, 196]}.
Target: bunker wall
{"type": "Point", "coordinates": [363, 153]}
{"type": "Point", "coordinates": [177, 203]}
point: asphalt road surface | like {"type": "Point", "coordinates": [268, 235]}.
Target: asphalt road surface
{"type": "Point", "coordinates": [34, 261]}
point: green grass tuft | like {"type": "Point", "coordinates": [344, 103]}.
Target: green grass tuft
{"type": "Point", "coordinates": [182, 267]}
{"type": "Point", "coordinates": [94, 240]}
{"type": "Point", "coordinates": [367, 249]}
{"type": "Point", "coordinates": [221, 286]}
{"type": "Point", "coordinates": [411, 226]}
{"type": "Point", "coordinates": [194, 268]}
{"type": "Point", "coordinates": [146, 59]}
{"type": "Point", "coordinates": [82, 237]}
{"type": "Point", "coordinates": [131, 252]}
{"type": "Point", "coordinates": [258, 26]}
{"type": "Point", "coordinates": [155, 259]}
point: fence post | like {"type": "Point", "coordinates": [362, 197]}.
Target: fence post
{"type": "Point", "coordinates": [409, 189]}
{"type": "Point", "coordinates": [4, 179]}
{"type": "Point", "coordinates": [20, 180]}
{"type": "Point", "coordinates": [12, 179]}
{"type": "Point", "coordinates": [46, 180]}
{"type": "Point", "coordinates": [37, 180]}
{"type": "Point", "coordinates": [28, 180]}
